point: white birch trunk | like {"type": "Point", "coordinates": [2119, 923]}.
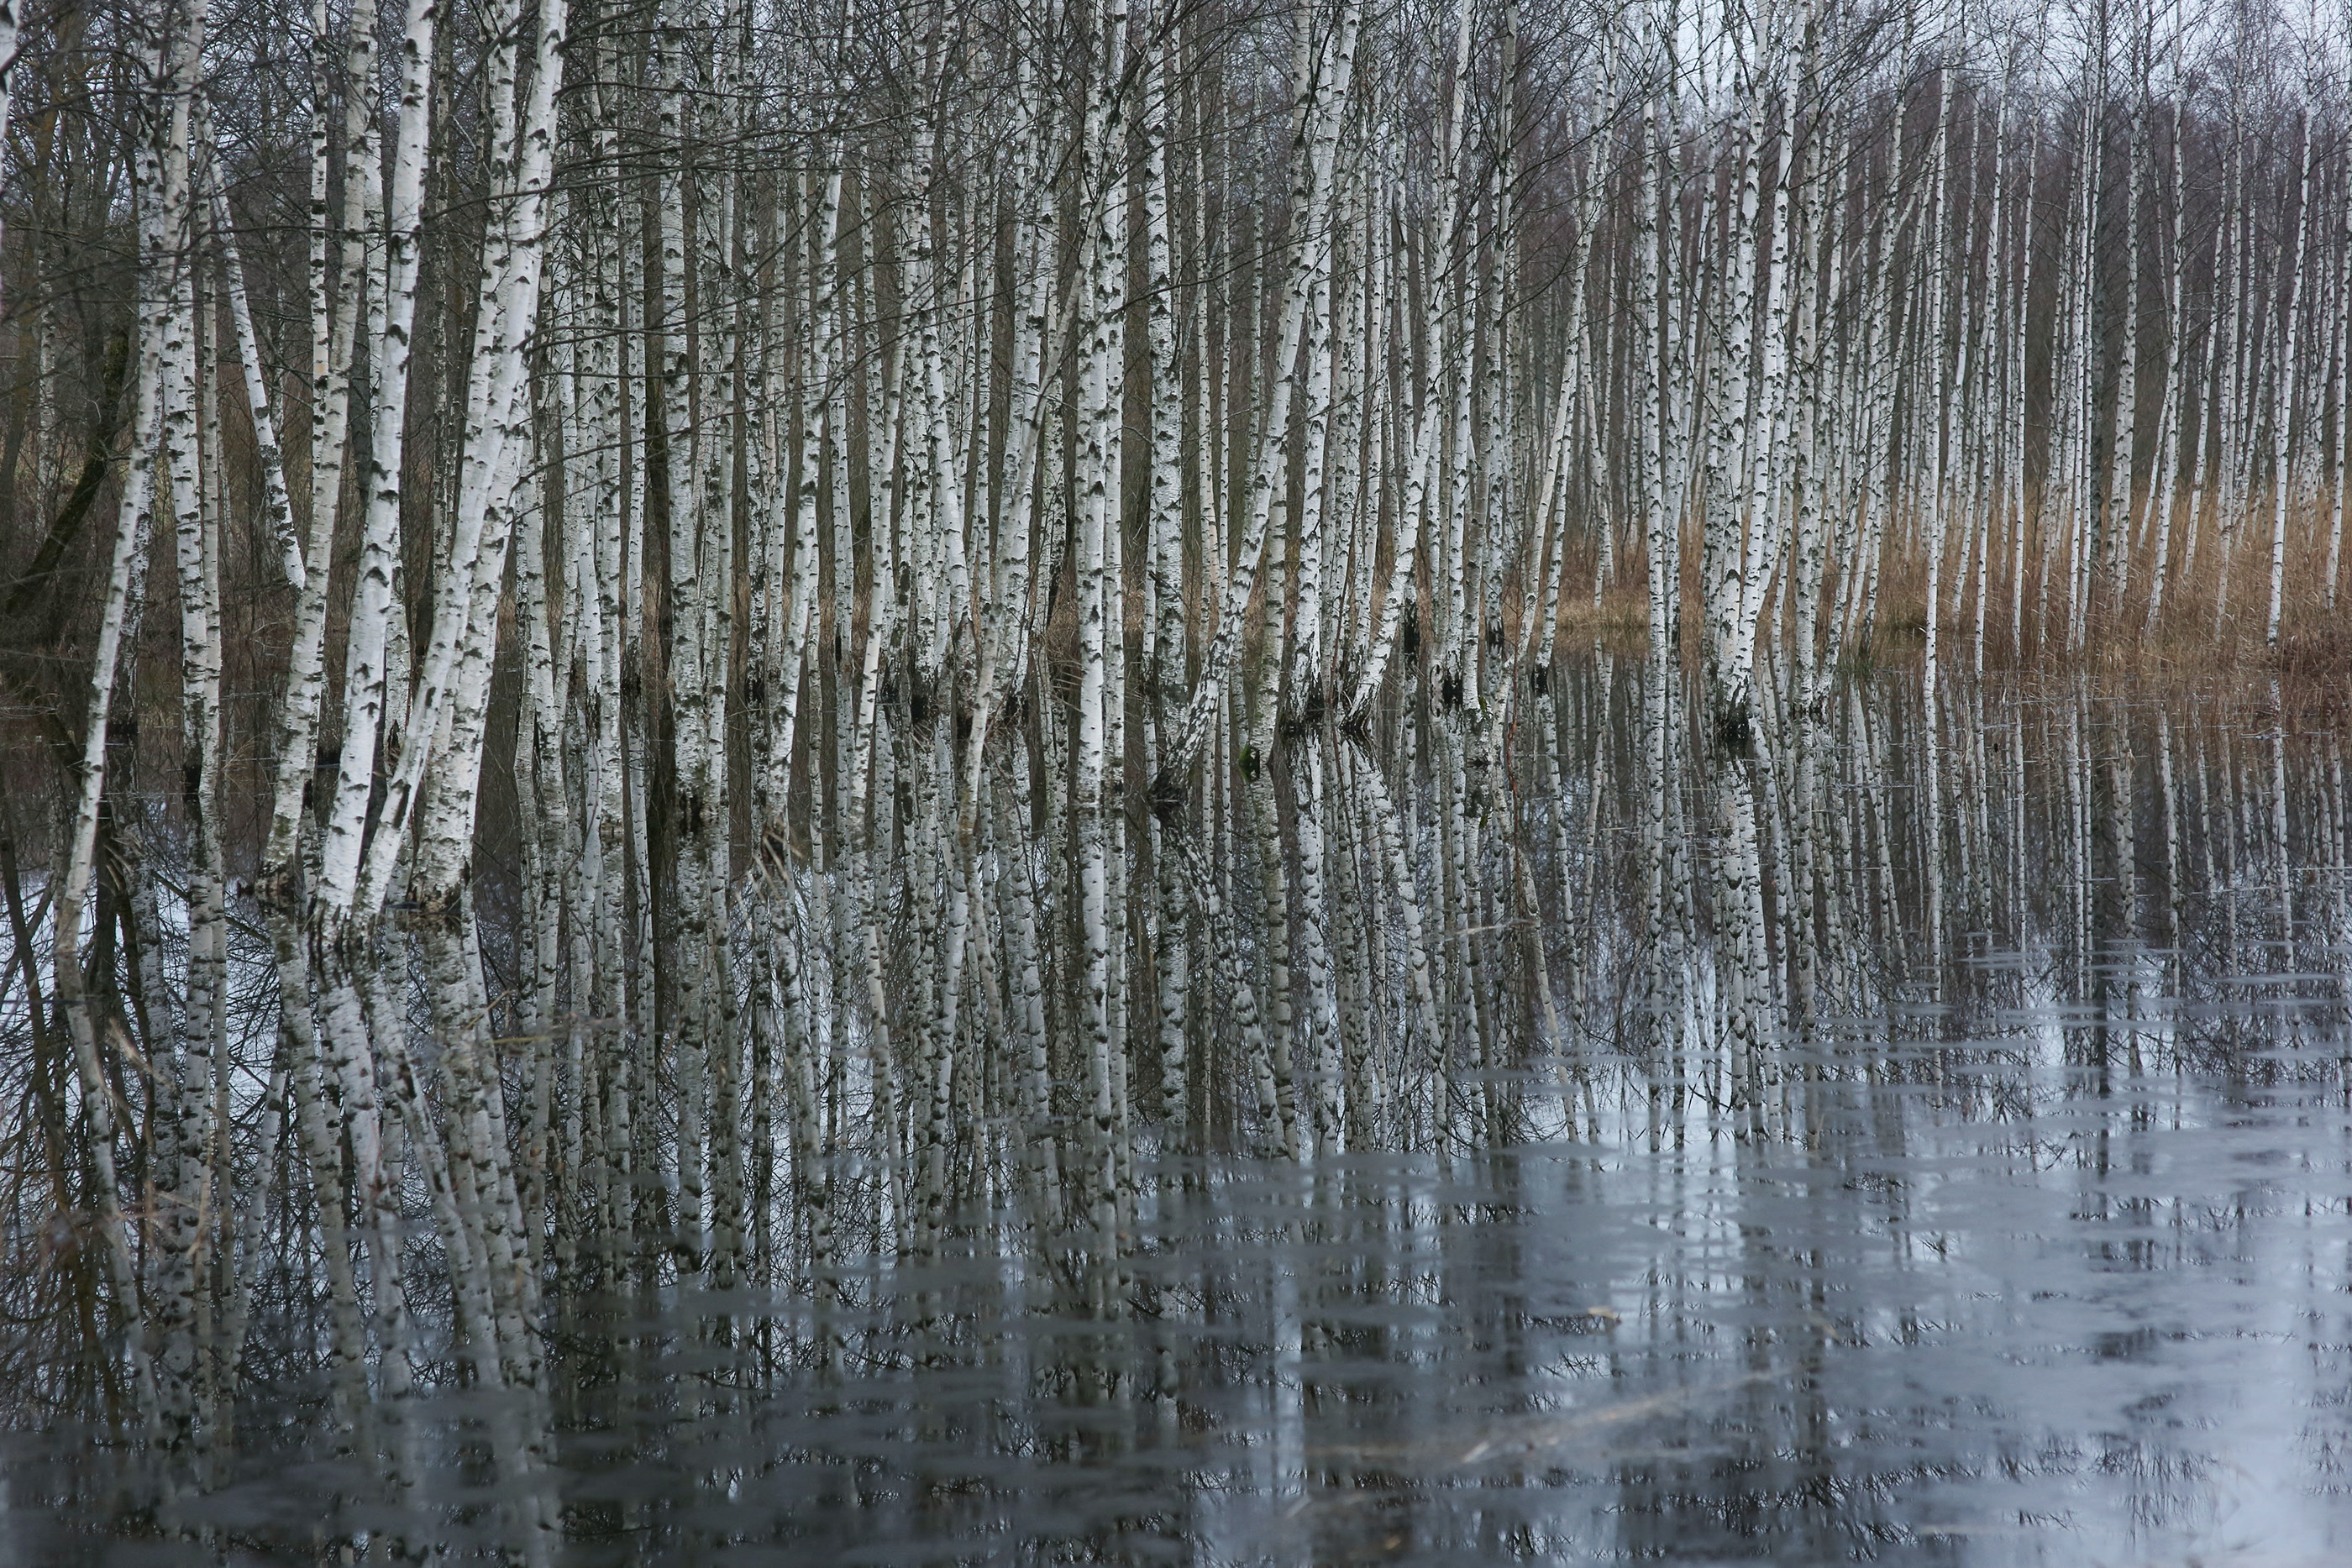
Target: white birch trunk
{"type": "Point", "coordinates": [1320, 90]}
{"type": "Point", "coordinates": [366, 678]}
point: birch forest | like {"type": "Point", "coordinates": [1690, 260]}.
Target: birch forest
{"type": "Point", "coordinates": [665, 663]}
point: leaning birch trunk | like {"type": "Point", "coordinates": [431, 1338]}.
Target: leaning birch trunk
{"type": "Point", "coordinates": [277, 502]}
{"type": "Point", "coordinates": [1724, 519]}
{"type": "Point", "coordinates": [497, 439]}
{"type": "Point", "coordinates": [2283, 381]}
{"type": "Point", "coordinates": [2168, 464]}
{"type": "Point", "coordinates": [447, 725]}
{"type": "Point", "coordinates": [1321, 90]}
{"type": "Point", "coordinates": [2235, 335]}
{"type": "Point", "coordinates": [1424, 455]}
{"type": "Point", "coordinates": [332, 335]}
{"type": "Point", "coordinates": [2119, 510]}
{"type": "Point", "coordinates": [1823, 281]}
{"type": "Point", "coordinates": [134, 518]}
{"type": "Point", "coordinates": [1040, 311]}
{"type": "Point", "coordinates": [1540, 631]}
{"type": "Point", "coordinates": [8, 62]}
{"type": "Point", "coordinates": [366, 678]}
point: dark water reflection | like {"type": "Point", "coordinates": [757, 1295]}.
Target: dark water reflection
{"type": "Point", "coordinates": [2029, 1241]}
{"type": "Point", "coordinates": [2117, 1332]}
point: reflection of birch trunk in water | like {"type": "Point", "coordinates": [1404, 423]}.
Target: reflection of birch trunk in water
{"type": "Point", "coordinates": [1881, 828]}
{"type": "Point", "coordinates": [1457, 831]}
{"type": "Point", "coordinates": [1527, 914]}
{"type": "Point", "coordinates": [1248, 1026]}
{"type": "Point", "coordinates": [1033, 1068]}
{"type": "Point", "coordinates": [1744, 976]}
{"type": "Point", "coordinates": [1403, 888]}
{"type": "Point", "coordinates": [1801, 896]}
{"type": "Point", "coordinates": [1353, 940]}
{"type": "Point", "coordinates": [2168, 803]}
{"type": "Point", "coordinates": [1265, 821]}
{"type": "Point", "coordinates": [2076, 760]}
{"type": "Point", "coordinates": [1931, 762]}
{"type": "Point", "coordinates": [1664, 977]}
{"type": "Point", "coordinates": [1321, 1038]}
{"type": "Point", "coordinates": [2282, 854]}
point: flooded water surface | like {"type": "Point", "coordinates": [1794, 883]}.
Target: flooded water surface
{"type": "Point", "coordinates": [1900, 1142]}
{"type": "Point", "coordinates": [2113, 1329]}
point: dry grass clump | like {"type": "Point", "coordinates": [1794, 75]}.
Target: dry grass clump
{"type": "Point", "coordinates": [2198, 640]}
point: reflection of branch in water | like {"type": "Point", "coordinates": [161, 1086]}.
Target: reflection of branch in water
{"type": "Point", "coordinates": [1527, 1436]}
